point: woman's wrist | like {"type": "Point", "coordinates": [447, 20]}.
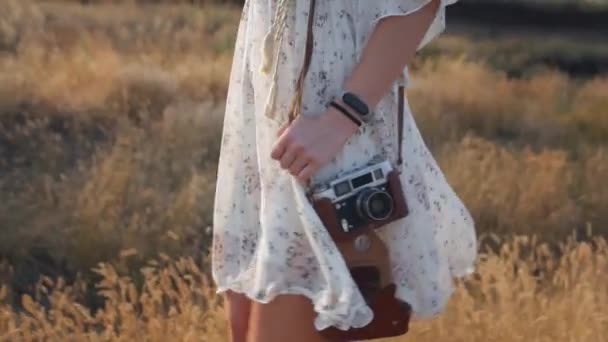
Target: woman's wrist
{"type": "Point", "coordinates": [335, 118]}
{"type": "Point", "coordinates": [347, 110]}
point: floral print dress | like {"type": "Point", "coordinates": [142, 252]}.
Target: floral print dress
{"type": "Point", "coordinates": [267, 238]}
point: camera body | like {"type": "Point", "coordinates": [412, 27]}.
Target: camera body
{"type": "Point", "coordinates": [371, 196]}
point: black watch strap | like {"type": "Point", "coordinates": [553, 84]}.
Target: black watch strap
{"type": "Point", "coordinates": [356, 104]}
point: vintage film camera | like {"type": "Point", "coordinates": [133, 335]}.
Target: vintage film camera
{"type": "Point", "coordinates": [371, 196]}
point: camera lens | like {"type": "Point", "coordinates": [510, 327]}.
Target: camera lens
{"type": "Point", "coordinates": [374, 204]}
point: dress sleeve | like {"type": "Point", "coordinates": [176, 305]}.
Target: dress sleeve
{"type": "Point", "coordinates": [378, 9]}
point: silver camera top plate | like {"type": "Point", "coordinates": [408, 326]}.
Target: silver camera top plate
{"type": "Point", "coordinates": [345, 186]}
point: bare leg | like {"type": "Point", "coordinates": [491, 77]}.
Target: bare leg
{"type": "Point", "coordinates": [238, 308]}
{"type": "Point", "coordinates": [286, 318]}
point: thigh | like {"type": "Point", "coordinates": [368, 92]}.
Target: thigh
{"type": "Point", "coordinates": [238, 309]}
{"type": "Point", "coordinates": [286, 318]}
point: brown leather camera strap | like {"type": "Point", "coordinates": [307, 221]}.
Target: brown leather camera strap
{"type": "Point", "coordinates": [310, 38]}
{"type": "Point", "coordinates": [400, 112]}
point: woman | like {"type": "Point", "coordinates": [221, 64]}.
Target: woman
{"type": "Point", "coordinates": [273, 259]}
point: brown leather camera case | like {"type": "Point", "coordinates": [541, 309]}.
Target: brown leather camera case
{"type": "Point", "coordinates": [371, 270]}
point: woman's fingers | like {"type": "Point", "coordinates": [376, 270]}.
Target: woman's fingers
{"type": "Point", "coordinates": [305, 144]}
{"type": "Point", "coordinates": [290, 155]}
{"type": "Point", "coordinates": [298, 165]}
{"type": "Point", "coordinates": [282, 143]}
{"type": "Point", "coordinates": [307, 172]}
{"type": "Point", "coordinates": [279, 148]}
{"type": "Point", "coordinates": [282, 129]}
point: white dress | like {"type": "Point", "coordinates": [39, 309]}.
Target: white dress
{"type": "Point", "coordinates": [267, 239]}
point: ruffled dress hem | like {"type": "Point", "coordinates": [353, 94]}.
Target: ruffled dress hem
{"type": "Point", "coordinates": [345, 315]}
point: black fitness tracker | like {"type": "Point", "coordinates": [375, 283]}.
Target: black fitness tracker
{"type": "Point", "coordinates": [343, 110]}
{"type": "Point", "coordinates": [357, 105]}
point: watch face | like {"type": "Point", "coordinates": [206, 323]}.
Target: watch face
{"type": "Point", "coordinates": [356, 103]}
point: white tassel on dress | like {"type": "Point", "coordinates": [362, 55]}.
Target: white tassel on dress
{"type": "Point", "coordinates": [268, 47]}
{"type": "Point", "coordinates": [274, 35]}
{"type": "Point", "coordinates": [270, 53]}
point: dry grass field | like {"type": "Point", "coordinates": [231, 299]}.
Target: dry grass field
{"type": "Point", "coordinates": [110, 119]}
{"type": "Point", "coordinates": [510, 299]}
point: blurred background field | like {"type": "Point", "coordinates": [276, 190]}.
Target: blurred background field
{"type": "Point", "coordinates": [110, 123]}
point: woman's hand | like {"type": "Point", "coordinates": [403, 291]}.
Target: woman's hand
{"type": "Point", "coordinates": [308, 143]}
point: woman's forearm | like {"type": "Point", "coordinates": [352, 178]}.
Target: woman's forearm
{"type": "Point", "coordinates": [309, 142]}
{"type": "Point", "coordinates": [389, 50]}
